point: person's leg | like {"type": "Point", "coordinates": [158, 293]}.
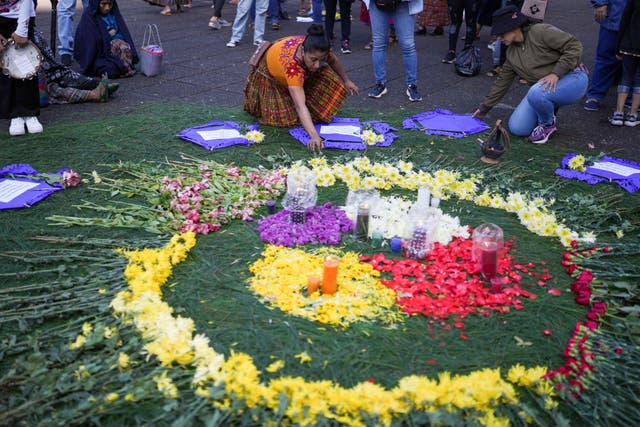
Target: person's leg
{"type": "Point", "coordinates": [380, 36]}
{"type": "Point", "coordinates": [66, 30]}
{"type": "Point", "coordinates": [470, 19]}
{"type": "Point", "coordinates": [329, 18]}
{"type": "Point", "coordinates": [316, 5]}
{"type": "Point", "coordinates": [404, 24]}
{"type": "Point", "coordinates": [345, 20]}
{"type": "Point", "coordinates": [523, 119]}
{"type": "Point", "coordinates": [570, 89]}
{"type": "Point", "coordinates": [240, 22]}
{"type": "Point", "coordinates": [261, 19]}
{"type": "Point", "coordinates": [605, 69]}
{"type": "Point", "coordinates": [456, 7]}
{"type": "Point", "coordinates": [274, 14]}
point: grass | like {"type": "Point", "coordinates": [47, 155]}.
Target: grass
{"type": "Point", "coordinates": [210, 286]}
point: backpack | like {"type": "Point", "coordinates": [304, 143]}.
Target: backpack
{"type": "Point", "coordinates": [468, 61]}
{"type": "Point", "coordinates": [387, 5]}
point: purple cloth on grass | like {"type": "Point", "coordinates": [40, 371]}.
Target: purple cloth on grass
{"type": "Point", "coordinates": [347, 142]}
{"type": "Point", "coordinates": [445, 123]}
{"type": "Point", "coordinates": [593, 175]}
{"type": "Point", "coordinates": [19, 172]}
{"type": "Point", "coordinates": [192, 135]}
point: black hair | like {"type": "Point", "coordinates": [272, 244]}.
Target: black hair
{"type": "Point", "coordinates": [316, 40]}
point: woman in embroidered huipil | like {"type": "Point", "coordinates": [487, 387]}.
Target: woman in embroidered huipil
{"type": "Point", "coordinates": [298, 81]}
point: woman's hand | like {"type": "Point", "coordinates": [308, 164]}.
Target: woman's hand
{"type": "Point", "coordinates": [549, 82]}
{"type": "Point", "coordinates": [478, 114]}
{"type": "Point", "coordinates": [19, 40]}
{"type": "Point", "coordinates": [351, 87]}
{"type": "Point", "coordinates": [316, 144]}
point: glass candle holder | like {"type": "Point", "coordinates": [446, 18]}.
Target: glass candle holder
{"type": "Point", "coordinates": [271, 206]}
{"type": "Point", "coordinates": [362, 221]}
{"type": "Point", "coordinates": [376, 239]}
{"type": "Point", "coordinates": [298, 215]}
{"type": "Point", "coordinates": [396, 244]}
{"type": "Point", "coordinates": [330, 275]}
{"type": "Point", "coordinates": [488, 243]}
{"type": "Point", "coordinates": [313, 283]}
{"type": "Point", "coordinates": [417, 244]}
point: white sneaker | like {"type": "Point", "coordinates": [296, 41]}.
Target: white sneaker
{"type": "Point", "coordinates": [33, 125]}
{"type": "Point", "coordinates": [16, 127]}
{"type": "Point", "coordinates": [215, 23]}
{"type": "Point", "coordinates": [232, 43]}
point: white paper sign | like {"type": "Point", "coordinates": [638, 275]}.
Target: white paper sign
{"type": "Point", "coordinates": [616, 168]}
{"type": "Point", "coordinates": [209, 135]}
{"type": "Point", "coordinates": [349, 130]}
{"type": "Point", "coordinates": [10, 189]}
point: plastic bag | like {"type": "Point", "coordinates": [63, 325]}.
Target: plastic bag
{"type": "Point", "coordinates": [468, 62]}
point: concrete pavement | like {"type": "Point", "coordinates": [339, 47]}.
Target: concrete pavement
{"type": "Point", "coordinates": [198, 67]}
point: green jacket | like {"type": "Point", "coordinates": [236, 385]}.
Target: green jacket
{"type": "Point", "coordinates": [545, 50]}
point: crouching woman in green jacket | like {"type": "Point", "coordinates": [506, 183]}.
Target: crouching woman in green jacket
{"type": "Point", "coordinates": [547, 58]}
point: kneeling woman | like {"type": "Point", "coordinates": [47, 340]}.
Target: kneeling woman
{"type": "Point", "coordinates": [548, 59]}
{"type": "Point", "coordinates": [298, 80]}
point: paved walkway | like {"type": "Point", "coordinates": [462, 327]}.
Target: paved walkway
{"type": "Point", "coordinates": [198, 67]}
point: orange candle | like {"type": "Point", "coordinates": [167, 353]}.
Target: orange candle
{"type": "Point", "coordinates": [330, 275]}
{"type": "Point", "coordinates": [313, 284]}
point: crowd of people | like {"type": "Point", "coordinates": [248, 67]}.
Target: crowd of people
{"type": "Point", "coordinates": [301, 80]}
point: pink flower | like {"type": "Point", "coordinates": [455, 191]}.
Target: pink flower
{"type": "Point", "coordinates": [70, 178]}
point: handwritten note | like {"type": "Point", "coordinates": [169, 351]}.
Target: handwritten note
{"type": "Point", "coordinates": [348, 130]}
{"type": "Point", "coordinates": [615, 168]}
{"type": "Point", "coordinates": [209, 135]}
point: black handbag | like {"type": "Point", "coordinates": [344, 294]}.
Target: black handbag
{"type": "Point", "coordinates": [496, 144]}
{"type": "Point", "coordinates": [468, 62]}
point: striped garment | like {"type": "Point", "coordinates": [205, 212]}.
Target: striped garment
{"type": "Point", "coordinates": [272, 104]}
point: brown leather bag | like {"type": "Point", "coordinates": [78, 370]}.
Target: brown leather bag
{"type": "Point", "coordinates": [260, 51]}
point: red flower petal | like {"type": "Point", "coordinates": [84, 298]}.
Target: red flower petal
{"type": "Point", "coordinates": [547, 332]}
{"type": "Point", "coordinates": [555, 292]}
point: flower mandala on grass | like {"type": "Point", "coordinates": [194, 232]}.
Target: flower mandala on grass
{"type": "Point", "coordinates": [280, 278]}
{"type": "Point", "coordinates": [324, 225]}
{"type": "Point", "coordinates": [254, 136]}
{"type": "Point", "coordinates": [448, 283]}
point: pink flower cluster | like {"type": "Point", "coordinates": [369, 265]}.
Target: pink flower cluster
{"type": "Point", "coordinates": [70, 178]}
{"type": "Point", "coordinates": [203, 202]}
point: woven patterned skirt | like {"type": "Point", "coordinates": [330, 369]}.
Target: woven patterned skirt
{"type": "Point", "coordinates": [435, 13]}
{"type": "Point", "coordinates": [272, 104]}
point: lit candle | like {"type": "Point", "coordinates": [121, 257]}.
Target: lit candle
{"type": "Point", "coordinates": [362, 221]}
{"type": "Point", "coordinates": [330, 275]}
{"type": "Point", "coordinates": [271, 206]}
{"type": "Point", "coordinates": [313, 284]}
{"type": "Point", "coordinates": [489, 259]}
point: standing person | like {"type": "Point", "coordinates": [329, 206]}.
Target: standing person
{"type": "Point", "coordinates": [345, 22]}
{"type": "Point", "coordinates": [216, 22]}
{"type": "Point", "coordinates": [242, 19]}
{"type": "Point", "coordinates": [20, 100]}
{"type": "Point", "coordinates": [298, 80]}
{"type": "Point", "coordinates": [434, 14]}
{"type": "Point", "coordinates": [628, 45]}
{"type": "Point", "coordinates": [104, 44]}
{"type": "Point", "coordinates": [458, 8]}
{"type": "Point", "coordinates": [607, 67]}
{"type": "Point", "coordinates": [66, 30]}
{"type": "Point", "coordinates": [403, 16]}
{"type": "Point", "coordinates": [547, 58]}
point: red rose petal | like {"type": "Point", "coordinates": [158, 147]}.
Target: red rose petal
{"type": "Point", "coordinates": [547, 332]}
{"type": "Point", "coordinates": [555, 292]}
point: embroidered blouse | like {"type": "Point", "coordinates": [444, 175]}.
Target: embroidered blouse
{"type": "Point", "coordinates": [282, 63]}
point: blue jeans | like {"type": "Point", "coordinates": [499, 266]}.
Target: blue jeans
{"type": "Point", "coordinates": [66, 30]}
{"type": "Point", "coordinates": [316, 6]}
{"type": "Point", "coordinates": [537, 107]}
{"type": "Point", "coordinates": [630, 74]}
{"type": "Point", "coordinates": [606, 67]}
{"type": "Point", "coordinates": [403, 23]}
{"type": "Point", "coordinates": [242, 17]}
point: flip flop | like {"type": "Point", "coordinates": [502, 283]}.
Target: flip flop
{"type": "Point", "coordinates": [165, 12]}
{"type": "Point", "coordinates": [112, 88]}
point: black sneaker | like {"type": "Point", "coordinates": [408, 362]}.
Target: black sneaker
{"type": "Point", "coordinates": [345, 48]}
{"type": "Point", "coordinates": [378, 90]}
{"type": "Point", "coordinates": [450, 57]}
{"type": "Point", "coordinates": [413, 94]}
